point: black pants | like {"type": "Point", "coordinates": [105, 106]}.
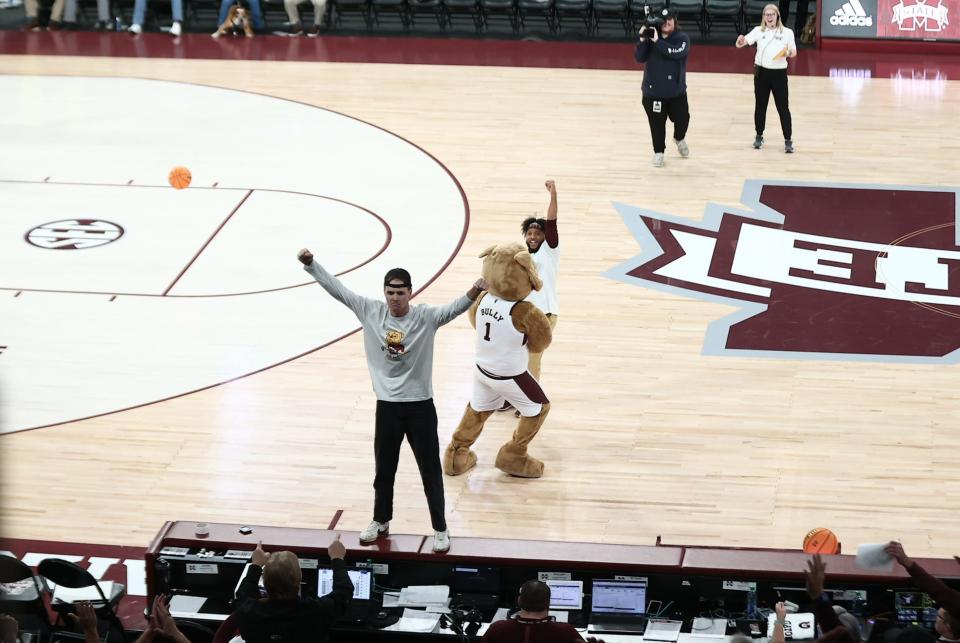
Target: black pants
{"type": "Point", "coordinates": [764, 82]}
{"type": "Point", "coordinates": [658, 110]}
{"type": "Point", "coordinates": [801, 19]}
{"type": "Point", "coordinates": [418, 422]}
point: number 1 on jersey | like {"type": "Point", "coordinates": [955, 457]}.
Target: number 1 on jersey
{"type": "Point", "coordinates": [486, 336]}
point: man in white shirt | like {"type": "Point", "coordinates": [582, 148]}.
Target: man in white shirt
{"type": "Point", "coordinates": [543, 242]}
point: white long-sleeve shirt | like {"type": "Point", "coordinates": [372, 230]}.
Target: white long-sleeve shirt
{"type": "Point", "coordinates": [770, 42]}
{"type": "Point", "coordinates": [399, 349]}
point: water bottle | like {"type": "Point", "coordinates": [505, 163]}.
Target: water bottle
{"type": "Point", "coordinates": [751, 604]}
{"type": "Point", "coordinates": [117, 24]}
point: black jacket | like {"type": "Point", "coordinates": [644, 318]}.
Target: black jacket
{"type": "Point", "coordinates": [300, 620]}
{"type": "Point", "coordinates": [665, 72]}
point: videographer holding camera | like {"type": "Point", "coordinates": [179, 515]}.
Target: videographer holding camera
{"type": "Point", "coordinates": [664, 49]}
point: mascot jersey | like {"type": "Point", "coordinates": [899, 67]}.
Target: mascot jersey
{"type": "Point", "coordinates": [501, 348]}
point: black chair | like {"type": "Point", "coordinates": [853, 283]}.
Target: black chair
{"type": "Point", "coordinates": [500, 8]}
{"type": "Point", "coordinates": [70, 575]}
{"type": "Point", "coordinates": [753, 12]}
{"type": "Point", "coordinates": [686, 9]}
{"type": "Point", "coordinates": [469, 7]}
{"type": "Point", "coordinates": [395, 7]}
{"type": "Point", "coordinates": [343, 8]}
{"type": "Point", "coordinates": [433, 7]}
{"type": "Point", "coordinates": [723, 10]}
{"type": "Point", "coordinates": [195, 632]}
{"type": "Point", "coordinates": [21, 594]}
{"type": "Point", "coordinates": [613, 10]}
{"type": "Point", "coordinates": [580, 10]}
{"type": "Point", "coordinates": [536, 8]}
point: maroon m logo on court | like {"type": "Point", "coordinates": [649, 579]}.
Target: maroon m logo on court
{"type": "Point", "coordinates": [819, 270]}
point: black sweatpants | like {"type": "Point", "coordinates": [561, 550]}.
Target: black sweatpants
{"type": "Point", "coordinates": [658, 110]}
{"type": "Point", "coordinates": [418, 422]}
{"type": "Point", "coordinates": [766, 81]}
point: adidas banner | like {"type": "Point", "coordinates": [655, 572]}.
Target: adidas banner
{"type": "Point", "coordinates": [849, 19]}
{"type": "Point", "coordinates": [896, 19]}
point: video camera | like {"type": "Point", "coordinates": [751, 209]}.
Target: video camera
{"type": "Point", "coordinates": [651, 22]}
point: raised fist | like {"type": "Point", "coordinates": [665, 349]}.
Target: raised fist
{"type": "Point", "coordinates": [305, 257]}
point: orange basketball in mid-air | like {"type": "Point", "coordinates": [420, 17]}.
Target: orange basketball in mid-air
{"type": "Point", "coordinates": [821, 541]}
{"type": "Point", "coordinates": [180, 177]}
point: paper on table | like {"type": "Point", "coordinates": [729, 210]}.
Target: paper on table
{"type": "Point", "coordinates": [180, 604]}
{"type": "Point", "coordinates": [417, 621]}
{"type": "Point", "coordinates": [559, 616]}
{"type": "Point", "coordinates": [709, 627]}
{"type": "Point", "coordinates": [874, 556]}
{"type": "Point", "coordinates": [422, 595]}
{"type": "Point", "coordinates": [391, 599]}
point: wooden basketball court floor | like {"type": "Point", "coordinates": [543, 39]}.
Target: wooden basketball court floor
{"type": "Point", "coordinates": [648, 435]}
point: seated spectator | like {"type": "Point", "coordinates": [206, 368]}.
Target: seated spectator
{"type": "Point", "coordinates": [293, 15]}
{"type": "Point", "coordinates": [85, 618]}
{"type": "Point", "coordinates": [945, 596]}
{"type": "Point", "coordinates": [832, 630]}
{"type": "Point", "coordinates": [140, 12]}
{"type": "Point", "coordinates": [70, 15]}
{"type": "Point", "coordinates": [160, 625]}
{"type": "Point", "coordinates": [9, 629]}
{"type": "Point", "coordinates": [533, 623]}
{"type": "Point", "coordinates": [283, 616]}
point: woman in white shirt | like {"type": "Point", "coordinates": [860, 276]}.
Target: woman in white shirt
{"type": "Point", "coordinates": [775, 44]}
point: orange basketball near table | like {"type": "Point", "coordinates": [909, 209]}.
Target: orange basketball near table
{"type": "Point", "coordinates": [821, 541]}
{"type": "Point", "coordinates": [180, 177]}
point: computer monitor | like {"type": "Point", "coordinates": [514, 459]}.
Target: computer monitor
{"type": "Point", "coordinates": [914, 608]}
{"type": "Point", "coordinates": [476, 579]}
{"type": "Point", "coordinates": [565, 594]}
{"type": "Point", "coordinates": [619, 597]}
{"type": "Point", "coordinates": [361, 583]}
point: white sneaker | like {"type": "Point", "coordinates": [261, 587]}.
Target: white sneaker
{"type": "Point", "coordinates": [683, 148]}
{"type": "Point", "coordinates": [373, 531]}
{"type": "Point", "coordinates": [175, 29]}
{"type": "Point", "coordinates": [658, 160]}
{"type": "Point", "coordinates": [441, 541]}
{"type": "Point", "coordinates": [135, 29]}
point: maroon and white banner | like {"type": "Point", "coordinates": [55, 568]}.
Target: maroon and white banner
{"type": "Point", "coordinates": [918, 19]}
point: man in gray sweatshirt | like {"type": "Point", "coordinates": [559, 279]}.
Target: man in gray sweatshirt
{"type": "Point", "coordinates": [398, 341]}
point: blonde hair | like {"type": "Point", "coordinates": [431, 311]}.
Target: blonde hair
{"type": "Point", "coordinates": [763, 25]}
{"type": "Point", "coordinates": [281, 575]}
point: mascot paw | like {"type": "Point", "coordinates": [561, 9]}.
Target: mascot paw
{"type": "Point", "coordinates": [517, 463]}
{"type": "Point", "coordinates": [458, 460]}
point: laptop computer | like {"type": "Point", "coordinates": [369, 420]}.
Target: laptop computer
{"type": "Point", "coordinates": [618, 606]}
{"type": "Point", "coordinates": [359, 608]}
{"type": "Point", "coordinates": [565, 594]}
